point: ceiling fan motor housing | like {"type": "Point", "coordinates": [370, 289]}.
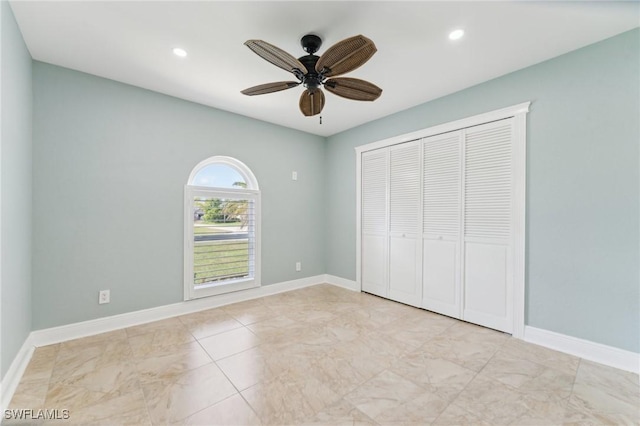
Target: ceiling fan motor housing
{"type": "Point", "coordinates": [311, 79]}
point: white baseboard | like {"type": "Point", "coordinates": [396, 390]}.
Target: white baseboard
{"type": "Point", "coordinates": [67, 332]}
{"type": "Point", "coordinates": [597, 352]}
{"type": "Point", "coordinates": [341, 282]}
{"type": "Point", "coordinates": [592, 351]}
{"type": "Point", "coordinates": [77, 330]}
{"type": "Point", "coordinates": [14, 373]}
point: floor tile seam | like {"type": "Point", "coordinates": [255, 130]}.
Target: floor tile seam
{"type": "Point", "coordinates": [449, 405]}
{"type": "Point", "coordinates": [55, 362]}
{"type": "Point", "coordinates": [575, 378]}
{"type": "Point", "coordinates": [173, 381]}
{"type": "Point", "coordinates": [514, 389]}
{"type": "Point", "coordinates": [316, 412]}
{"type": "Point", "coordinates": [619, 400]}
{"type": "Point", "coordinates": [594, 381]}
{"type": "Point", "coordinates": [228, 331]}
{"type": "Point", "coordinates": [46, 393]}
{"type": "Point", "coordinates": [181, 421]}
{"type": "Point", "coordinates": [142, 382]}
{"type": "Point", "coordinates": [549, 367]}
{"type": "Point", "coordinates": [217, 333]}
{"type": "Point", "coordinates": [557, 371]}
{"type": "Point", "coordinates": [358, 385]}
{"type": "Point", "coordinates": [455, 396]}
{"type": "Point", "coordinates": [421, 386]}
{"type": "Point", "coordinates": [61, 380]}
{"type": "Point", "coordinates": [231, 355]}
{"type": "Point", "coordinates": [182, 317]}
{"type": "Point", "coordinates": [220, 368]}
{"type": "Point", "coordinates": [101, 418]}
{"type": "Point", "coordinates": [477, 373]}
{"type": "Point", "coordinates": [464, 408]}
{"type": "Point", "coordinates": [134, 361]}
{"type": "Point", "coordinates": [342, 400]}
{"type": "Point", "coordinates": [255, 322]}
{"type": "Point", "coordinates": [453, 361]}
{"type": "Point", "coordinates": [229, 379]}
{"type": "Point", "coordinates": [146, 402]}
{"type": "Point", "coordinates": [364, 383]}
{"type": "Point", "coordinates": [206, 352]}
{"type": "Point", "coordinates": [249, 405]}
{"type": "Point", "coordinates": [143, 358]}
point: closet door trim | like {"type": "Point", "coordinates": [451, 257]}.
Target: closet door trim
{"type": "Point", "coordinates": [518, 112]}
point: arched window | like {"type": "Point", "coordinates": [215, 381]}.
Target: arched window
{"type": "Point", "coordinates": [222, 228]}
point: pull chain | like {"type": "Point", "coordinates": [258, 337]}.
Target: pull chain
{"type": "Point", "coordinates": [320, 119]}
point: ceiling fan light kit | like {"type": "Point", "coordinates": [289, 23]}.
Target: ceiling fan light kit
{"type": "Point", "coordinates": [313, 71]}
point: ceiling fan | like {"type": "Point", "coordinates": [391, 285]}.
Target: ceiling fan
{"type": "Point", "coordinates": [315, 71]}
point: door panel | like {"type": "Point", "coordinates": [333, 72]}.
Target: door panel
{"type": "Point", "coordinates": [487, 286]}
{"type": "Point", "coordinates": [488, 189]}
{"type": "Point", "coordinates": [374, 273]}
{"type": "Point", "coordinates": [374, 261]}
{"type": "Point", "coordinates": [404, 223]}
{"type": "Point", "coordinates": [441, 223]}
{"type": "Point", "coordinates": [404, 285]}
{"type": "Point", "coordinates": [441, 292]}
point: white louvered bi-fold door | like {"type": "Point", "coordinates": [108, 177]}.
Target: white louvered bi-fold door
{"type": "Point", "coordinates": [405, 282]}
{"type": "Point", "coordinates": [488, 252]}
{"type": "Point", "coordinates": [375, 171]}
{"type": "Point", "coordinates": [441, 223]}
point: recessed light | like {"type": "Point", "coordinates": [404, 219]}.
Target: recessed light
{"type": "Point", "coordinates": [456, 34]}
{"type": "Point", "coordinates": [179, 52]}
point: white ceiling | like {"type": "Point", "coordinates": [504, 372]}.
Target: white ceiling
{"type": "Point", "coordinates": [132, 42]}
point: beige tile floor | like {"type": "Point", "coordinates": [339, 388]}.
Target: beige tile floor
{"type": "Point", "coordinates": [321, 355]}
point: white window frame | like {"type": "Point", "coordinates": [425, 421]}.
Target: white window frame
{"type": "Point", "coordinates": [251, 192]}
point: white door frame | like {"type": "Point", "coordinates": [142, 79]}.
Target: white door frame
{"type": "Point", "coordinates": [518, 112]}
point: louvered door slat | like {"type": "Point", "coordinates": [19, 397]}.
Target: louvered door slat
{"type": "Point", "coordinates": [441, 185]}
{"type": "Point", "coordinates": [374, 192]}
{"type": "Point", "coordinates": [488, 182]}
{"type": "Point", "coordinates": [404, 172]}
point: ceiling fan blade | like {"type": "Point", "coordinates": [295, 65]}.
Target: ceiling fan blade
{"type": "Point", "coordinates": [275, 55]}
{"type": "Point", "coordinates": [346, 56]}
{"type": "Point", "coordinates": [311, 102]}
{"type": "Point", "coordinates": [263, 89]}
{"type": "Point", "coordinates": [353, 88]}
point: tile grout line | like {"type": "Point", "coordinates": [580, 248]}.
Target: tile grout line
{"type": "Point", "coordinates": [469, 382]}
{"type": "Point", "coordinates": [573, 385]}
{"type": "Point", "coordinates": [238, 392]}
{"type": "Point", "coordinates": [135, 366]}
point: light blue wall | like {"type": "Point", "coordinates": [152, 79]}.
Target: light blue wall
{"type": "Point", "coordinates": [110, 162]}
{"type": "Point", "coordinates": [15, 188]}
{"type": "Point", "coordinates": [582, 185]}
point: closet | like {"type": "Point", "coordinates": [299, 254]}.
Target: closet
{"type": "Point", "coordinates": [441, 219]}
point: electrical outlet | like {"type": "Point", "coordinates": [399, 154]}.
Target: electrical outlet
{"type": "Point", "coordinates": [294, 175]}
{"type": "Point", "coordinates": [298, 266]}
{"type": "Point", "coordinates": [104, 296]}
